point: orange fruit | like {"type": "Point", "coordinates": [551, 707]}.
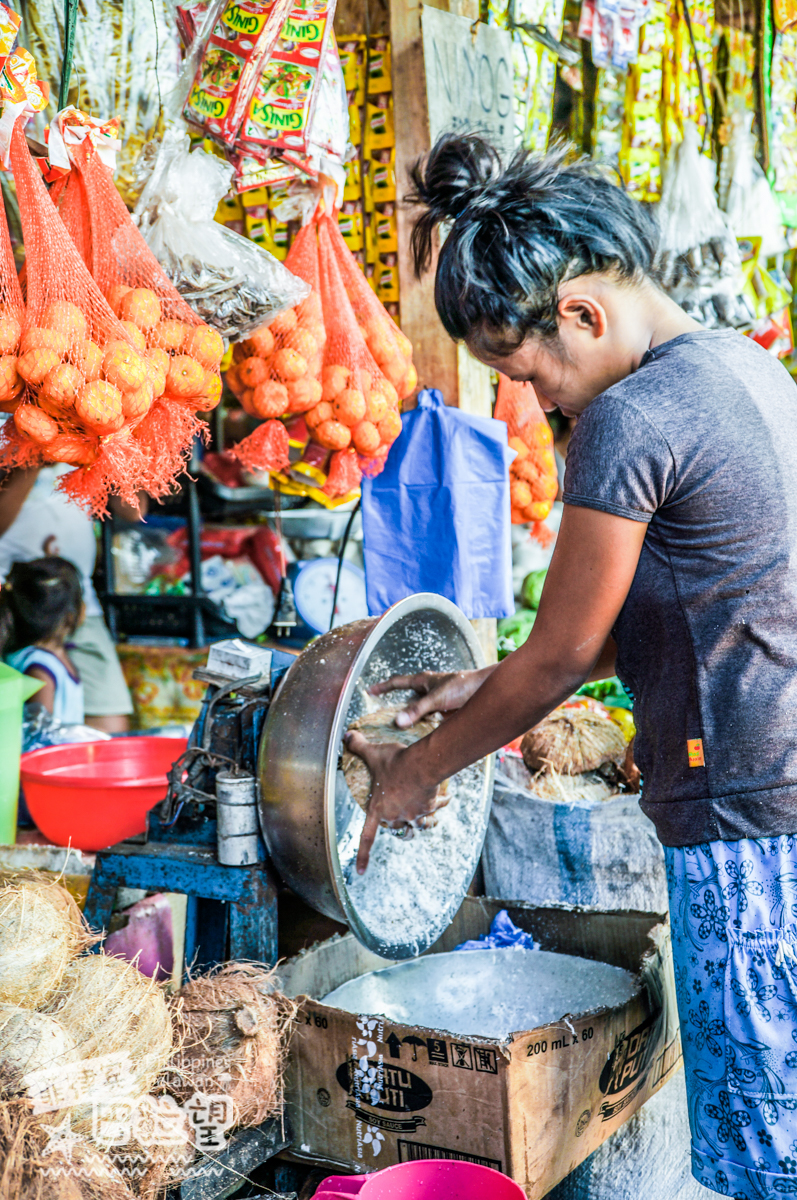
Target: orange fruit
{"type": "Point", "coordinates": [10, 383]}
{"type": "Point", "coordinates": [539, 510]}
{"type": "Point", "coordinates": [316, 329]}
{"type": "Point", "coordinates": [365, 438]}
{"type": "Point", "coordinates": [409, 383]}
{"type": "Point", "coordinates": [333, 381]}
{"type": "Point", "coordinates": [213, 388]}
{"type": "Point", "coordinates": [136, 404]}
{"type": "Point", "coordinates": [539, 434]}
{"type": "Point", "coordinates": [157, 368]}
{"type": "Point", "coordinates": [519, 446]}
{"type": "Point", "coordinates": [205, 345]}
{"type": "Point", "coordinates": [395, 370]}
{"type": "Point", "coordinates": [239, 352]}
{"type": "Point", "coordinates": [142, 307]}
{"type": "Point", "coordinates": [303, 341]}
{"type": "Point", "coordinates": [245, 400]}
{"type": "Point", "coordinates": [404, 344]}
{"type": "Point", "coordinates": [134, 335]}
{"type": "Point", "coordinates": [203, 403]}
{"type": "Point", "coordinates": [115, 295]}
{"type": "Point", "coordinates": [315, 364]}
{"type": "Point", "coordinates": [303, 394]}
{"type": "Point", "coordinates": [283, 323]}
{"type": "Point", "coordinates": [349, 406]}
{"type": "Point", "coordinates": [389, 427]}
{"type": "Point", "coordinates": [383, 347]}
{"type": "Point", "coordinates": [170, 335]}
{"type": "Point", "coordinates": [233, 381]}
{"type": "Point", "coordinates": [10, 333]}
{"type": "Point", "coordinates": [310, 308]}
{"type": "Point", "coordinates": [321, 412]}
{"type": "Point", "coordinates": [519, 494]}
{"type": "Point", "coordinates": [87, 356]}
{"type": "Point", "coordinates": [334, 435]}
{"type": "Point", "coordinates": [70, 448]}
{"type": "Point", "coordinates": [38, 338]}
{"type": "Point", "coordinates": [259, 343]}
{"type": "Point", "coordinates": [185, 378]}
{"type": "Point", "coordinates": [252, 371]}
{"type": "Point", "coordinates": [123, 367]}
{"type": "Point", "coordinates": [33, 365]}
{"type": "Point", "coordinates": [35, 424]}
{"type": "Point", "coordinates": [99, 407]}
{"type": "Point", "coordinates": [10, 406]}
{"type": "Point", "coordinates": [288, 364]}
{"type": "Point", "coordinates": [61, 385]}
{"type": "Point", "coordinates": [270, 399]}
{"type": "Point", "coordinates": [68, 319]}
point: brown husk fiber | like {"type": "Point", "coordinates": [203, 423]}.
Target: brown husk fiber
{"type": "Point", "coordinates": [153, 1168]}
{"type": "Point", "coordinates": [81, 936]}
{"type": "Point", "coordinates": [233, 1029]}
{"type": "Point", "coordinates": [41, 930]}
{"type": "Point", "coordinates": [28, 1172]}
{"type": "Point", "coordinates": [108, 1006]}
{"type": "Point", "coordinates": [573, 741]}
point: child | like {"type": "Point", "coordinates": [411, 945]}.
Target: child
{"type": "Point", "coordinates": [676, 567]}
{"type": "Point", "coordinates": [41, 606]}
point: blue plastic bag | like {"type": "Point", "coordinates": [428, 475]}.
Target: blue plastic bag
{"type": "Point", "coordinates": [437, 518]}
{"type": "Point", "coordinates": [504, 933]}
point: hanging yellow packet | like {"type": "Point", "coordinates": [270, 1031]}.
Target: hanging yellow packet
{"type": "Point", "coordinates": [379, 132]}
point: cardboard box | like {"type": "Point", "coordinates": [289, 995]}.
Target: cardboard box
{"type": "Point", "coordinates": [533, 1105]}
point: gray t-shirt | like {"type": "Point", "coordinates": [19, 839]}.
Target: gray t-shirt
{"type": "Point", "coordinates": [701, 442]}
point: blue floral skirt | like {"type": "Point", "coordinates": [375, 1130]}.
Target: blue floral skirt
{"type": "Point", "coordinates": [733, 909]}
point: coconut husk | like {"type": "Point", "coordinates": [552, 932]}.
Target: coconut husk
{"type": "Point", "coordinates": [573, 741]}
{"type": "Point", "coordinates": [30, 1041]}
{"type": "Point", "coordinates": [379, 727]}
{"type": "Point", "coordinates": [81, 936]}
{"type": "Point", "coordinates": [38, 939]}
{"type": "Point", "coordinates": [31, 1170]}
{"type": "Point", "coordinates": [108, 1006]}
{"type": "Point", "coordinates": [233, 1029]}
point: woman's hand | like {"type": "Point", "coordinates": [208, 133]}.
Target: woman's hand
{"type": "Point", "coordinates": [439, 692]}
{"type": "Point", "coordinates": [397, 800]}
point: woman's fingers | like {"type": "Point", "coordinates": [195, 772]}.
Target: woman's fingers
{"type": "Point", "coordinates": [370, 830]}
{"type": "Point", "coordinates": [416, 683]}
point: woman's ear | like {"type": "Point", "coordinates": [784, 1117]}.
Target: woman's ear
{"type": "Point", "coordinates": [585, 313]}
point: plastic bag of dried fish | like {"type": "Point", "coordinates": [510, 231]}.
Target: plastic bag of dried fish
{"type": "Point", "coordinates": [232, 283]}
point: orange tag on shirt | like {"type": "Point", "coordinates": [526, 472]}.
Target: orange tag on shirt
{"type": "Point", "coordinates": [694, 749]}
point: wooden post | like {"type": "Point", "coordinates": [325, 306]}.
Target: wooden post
{"type": "Point", "coordinates": [464, 382]}
{"type": "Point", "coordinates": [440, 363]}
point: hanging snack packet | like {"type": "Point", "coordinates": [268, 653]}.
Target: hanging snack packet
{"type": "Point", "coordinates": [231, 62]}
{"type": "Point", "coordinates": [85, 373]}
{"type": "Point", "coordinates": [283, 105]}
{"type": "Point", "coordinates": [276, 371]}
{"type": "Point", "coordinates": [229, 281]}
{"type": "Point", "coordinates": [533, 479]}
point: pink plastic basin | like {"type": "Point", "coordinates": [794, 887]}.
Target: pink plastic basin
{"type": "Point", "coordinates": [434, 1179]}
{"type": "Point", "coordinates": [93, 794]}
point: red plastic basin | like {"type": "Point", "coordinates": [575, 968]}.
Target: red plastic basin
{"type": "Point", "coordinates": [440, 1179]}
{"type": "Point", "coordinates": [93, 794]}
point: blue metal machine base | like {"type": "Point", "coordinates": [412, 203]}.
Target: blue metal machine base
{"type": "Point", "coordinates": [232, 911]}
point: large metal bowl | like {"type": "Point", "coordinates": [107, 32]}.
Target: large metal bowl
{"type": "Point", "coordinates": [305, 806]}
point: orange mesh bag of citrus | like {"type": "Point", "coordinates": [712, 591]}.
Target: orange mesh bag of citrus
{"type": "Point", "coordinates": [77, 362]}
{"type": "Point", "coordinates": [181, 353]}
{"type": "Point", "coordinates": [533, 480]}
{"type": "Point", "coordinates": [276, 371]}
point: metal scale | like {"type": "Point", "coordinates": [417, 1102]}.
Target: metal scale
{"type": "Point", "coordinates": [232, 905]}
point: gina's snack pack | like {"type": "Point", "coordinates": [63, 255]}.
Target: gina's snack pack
{"type": "Point", "coordinates": [281, 111]}
{"type": "Point", "coordinates": [240, 41]}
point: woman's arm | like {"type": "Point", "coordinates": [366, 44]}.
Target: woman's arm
{"type": "Point", "coordinates": [591, 572]}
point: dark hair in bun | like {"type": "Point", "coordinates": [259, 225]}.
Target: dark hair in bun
{"type": "Point", "coordinates": [517, 233]}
